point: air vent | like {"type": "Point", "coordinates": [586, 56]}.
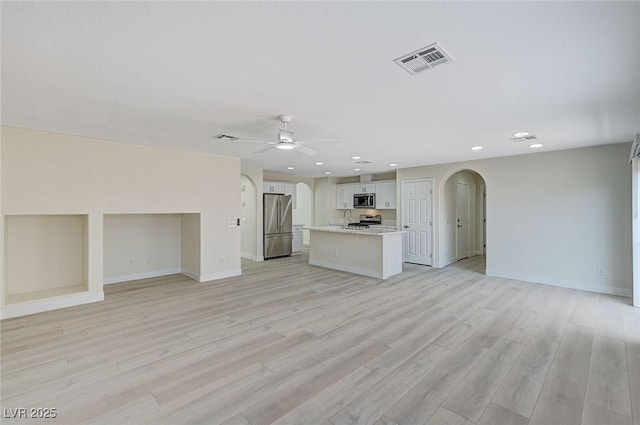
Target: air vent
{"type": "Point", "coordinates": [423, 59]}
{"type": "Point", "coordinates": [524, 138]}
{"type": "Point", "coordinates": [363, 162]}
{"type": "Point", "coordinates": [225, 137]}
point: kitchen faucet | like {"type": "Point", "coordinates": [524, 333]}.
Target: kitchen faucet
{"type": "Point", "coordinates": [344, 217]}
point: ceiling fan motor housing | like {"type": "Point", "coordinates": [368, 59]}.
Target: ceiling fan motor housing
{"type": "Point", "coordinates": [285, 136]}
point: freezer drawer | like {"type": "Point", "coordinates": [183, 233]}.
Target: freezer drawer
{"type": "Point", "coordinates": [277, 245]}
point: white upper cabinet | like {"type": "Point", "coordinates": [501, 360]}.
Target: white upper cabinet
{"type": "Point", "coordinates": [281, 187]}
{"type": "Point", "coordinates": [364, 188]}
{"type": "Point", "coordinates": [273, 187]}
{"type": "Point", "coordinates": [386, 195]}
{"type": "Point", "coordinates": [344, 196]}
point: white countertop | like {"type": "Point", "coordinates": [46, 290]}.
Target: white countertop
{"type": "Point", "coordinates": [372, 231]}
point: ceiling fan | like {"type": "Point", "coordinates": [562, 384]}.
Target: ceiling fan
{"type": "Point", "coordinates": [284, 140]}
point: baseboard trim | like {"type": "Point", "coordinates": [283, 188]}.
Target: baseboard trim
{"type": "Point", "coordinates": [144, 275]}
{"type": "Point", "coordinates": [54, 303]}
{"type": "Point", "coordinates": [448, 261]}
{"type": "Point", "coordinates": [344, 268]}
{"type": "Point", "coordinates": [190, 274]}
{"type": "Point", "coordinates": [562, 283]}
{"type": "Point", "coordinates": [219, 275]}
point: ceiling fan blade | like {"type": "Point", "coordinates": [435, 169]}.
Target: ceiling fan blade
{"type": "Point", "coordinates": [319, 141]}
{"type": "Point", "coordinates": [305, 150]}
{"type": "Point", "coordinates": [251, 141]}
{"type": "Point", "coordinates": [270, 148]}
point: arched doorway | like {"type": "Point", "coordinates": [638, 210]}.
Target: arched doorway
{"type": "Point", "coordinates": [249, 218]}
{"type": "Point", "coordinates": [462, 216]}
{"type": "Point", "coordinates": [303, 210]}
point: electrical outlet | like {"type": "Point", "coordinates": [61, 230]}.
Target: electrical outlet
{"type": "Point", "coordinates": [149, 259]}
{"type": "Point", "coordinates": [231, 223]}
{"type": "Point", "coordinates": [601, 271]}
{"type": "Point", "coordinates": [130, 261]}
{"type": "Point", "coordinates": [221, 260]}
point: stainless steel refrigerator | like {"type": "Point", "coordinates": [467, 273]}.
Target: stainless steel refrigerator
{"type": "Point", "coordinates": [277, 225]}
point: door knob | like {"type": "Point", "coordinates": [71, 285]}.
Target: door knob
{"type": "Point", "coordinates": [459, 225]}
{"type": "Point", "coordinates": [405, 226]}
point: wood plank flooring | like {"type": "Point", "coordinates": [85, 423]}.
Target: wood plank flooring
{"type": "Point", "coordinates": [289, 344]}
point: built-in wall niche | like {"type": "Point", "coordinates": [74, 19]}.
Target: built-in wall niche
{"type": "Point", "coordinates": [138, 246]}
{"type": "Point", "coordinates": [46, 256]}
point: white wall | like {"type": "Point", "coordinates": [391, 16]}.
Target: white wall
{"type": "Point", "coordinates": [46, 173]}
{"type": "Point", "coordinates": [324, 202]}
{"type": "Point", "coordinates": [130, 239]}
{"type": "Point", "coordinates": [552, 217]}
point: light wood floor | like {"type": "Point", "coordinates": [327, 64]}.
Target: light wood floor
{"type": "Point", "coordinates": [287, 343]}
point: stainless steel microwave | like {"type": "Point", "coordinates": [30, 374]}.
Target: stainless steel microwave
{"type": "Point", "coordinates": [364, 200]}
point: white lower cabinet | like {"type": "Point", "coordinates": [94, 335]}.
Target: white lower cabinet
{"type": "Point", "coordinates": [296, 246]}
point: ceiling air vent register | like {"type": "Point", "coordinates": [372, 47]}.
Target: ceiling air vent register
{"type": "Point", "coordinates": [524, 138]}
{"type": "Point", "coordinates": [423, 59]}
{"type": "Point", "coordinates": [225, 137]}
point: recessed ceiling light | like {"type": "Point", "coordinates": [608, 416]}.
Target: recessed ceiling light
{"type": "Point", "coordinates": [291, 168]}
{"type": "Point", "coordinates": [327, 172]}
{"type": "Point", "coordinates": [319, 163]}
{"type": "Point", "coordinates": [356, 157]}
{"type": "Point", "coordinates": [393, 165]}
{"type": "Point", "coordinates": [521, 134]}
{"type": "Point", "coordinates": [476, 148]}
{"type": "Point", "coordinates": [356, 169]}
{"type": "Point", "coordinates": [535, 145]}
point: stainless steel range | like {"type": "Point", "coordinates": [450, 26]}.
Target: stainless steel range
{"type": "Point", "coordinates": [366, 221]}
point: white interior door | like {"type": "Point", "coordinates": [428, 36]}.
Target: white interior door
{"type": "Point", "coordinates": [462, 220]}
{"type": "Point", "coordinates": [417, 221]}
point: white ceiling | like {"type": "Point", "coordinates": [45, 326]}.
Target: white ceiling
{"type": "Point", "coordinates": [176, 74]}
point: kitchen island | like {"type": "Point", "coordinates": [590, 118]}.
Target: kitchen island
{"type": "Point", "coordinates": [374, 252]}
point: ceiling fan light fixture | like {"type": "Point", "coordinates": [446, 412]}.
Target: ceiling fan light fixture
{"type": "Point", "coordinates": [285, 145]}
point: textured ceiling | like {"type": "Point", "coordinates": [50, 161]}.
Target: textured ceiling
{"type": "Point", "coordinates": [175, 74]}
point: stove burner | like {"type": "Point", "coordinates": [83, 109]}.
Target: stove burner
{"type": "Point", "coordinates": [359, 225]}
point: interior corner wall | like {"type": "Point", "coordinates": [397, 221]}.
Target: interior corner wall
{"type": "Point", "coordinates": [190, 245]}
{"type": "Point", "coordinates": [552, 217]}
{"type": "Point", "coordinates": [48, 173]}
{"type": "Point", "coordinates": [635, 184]}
